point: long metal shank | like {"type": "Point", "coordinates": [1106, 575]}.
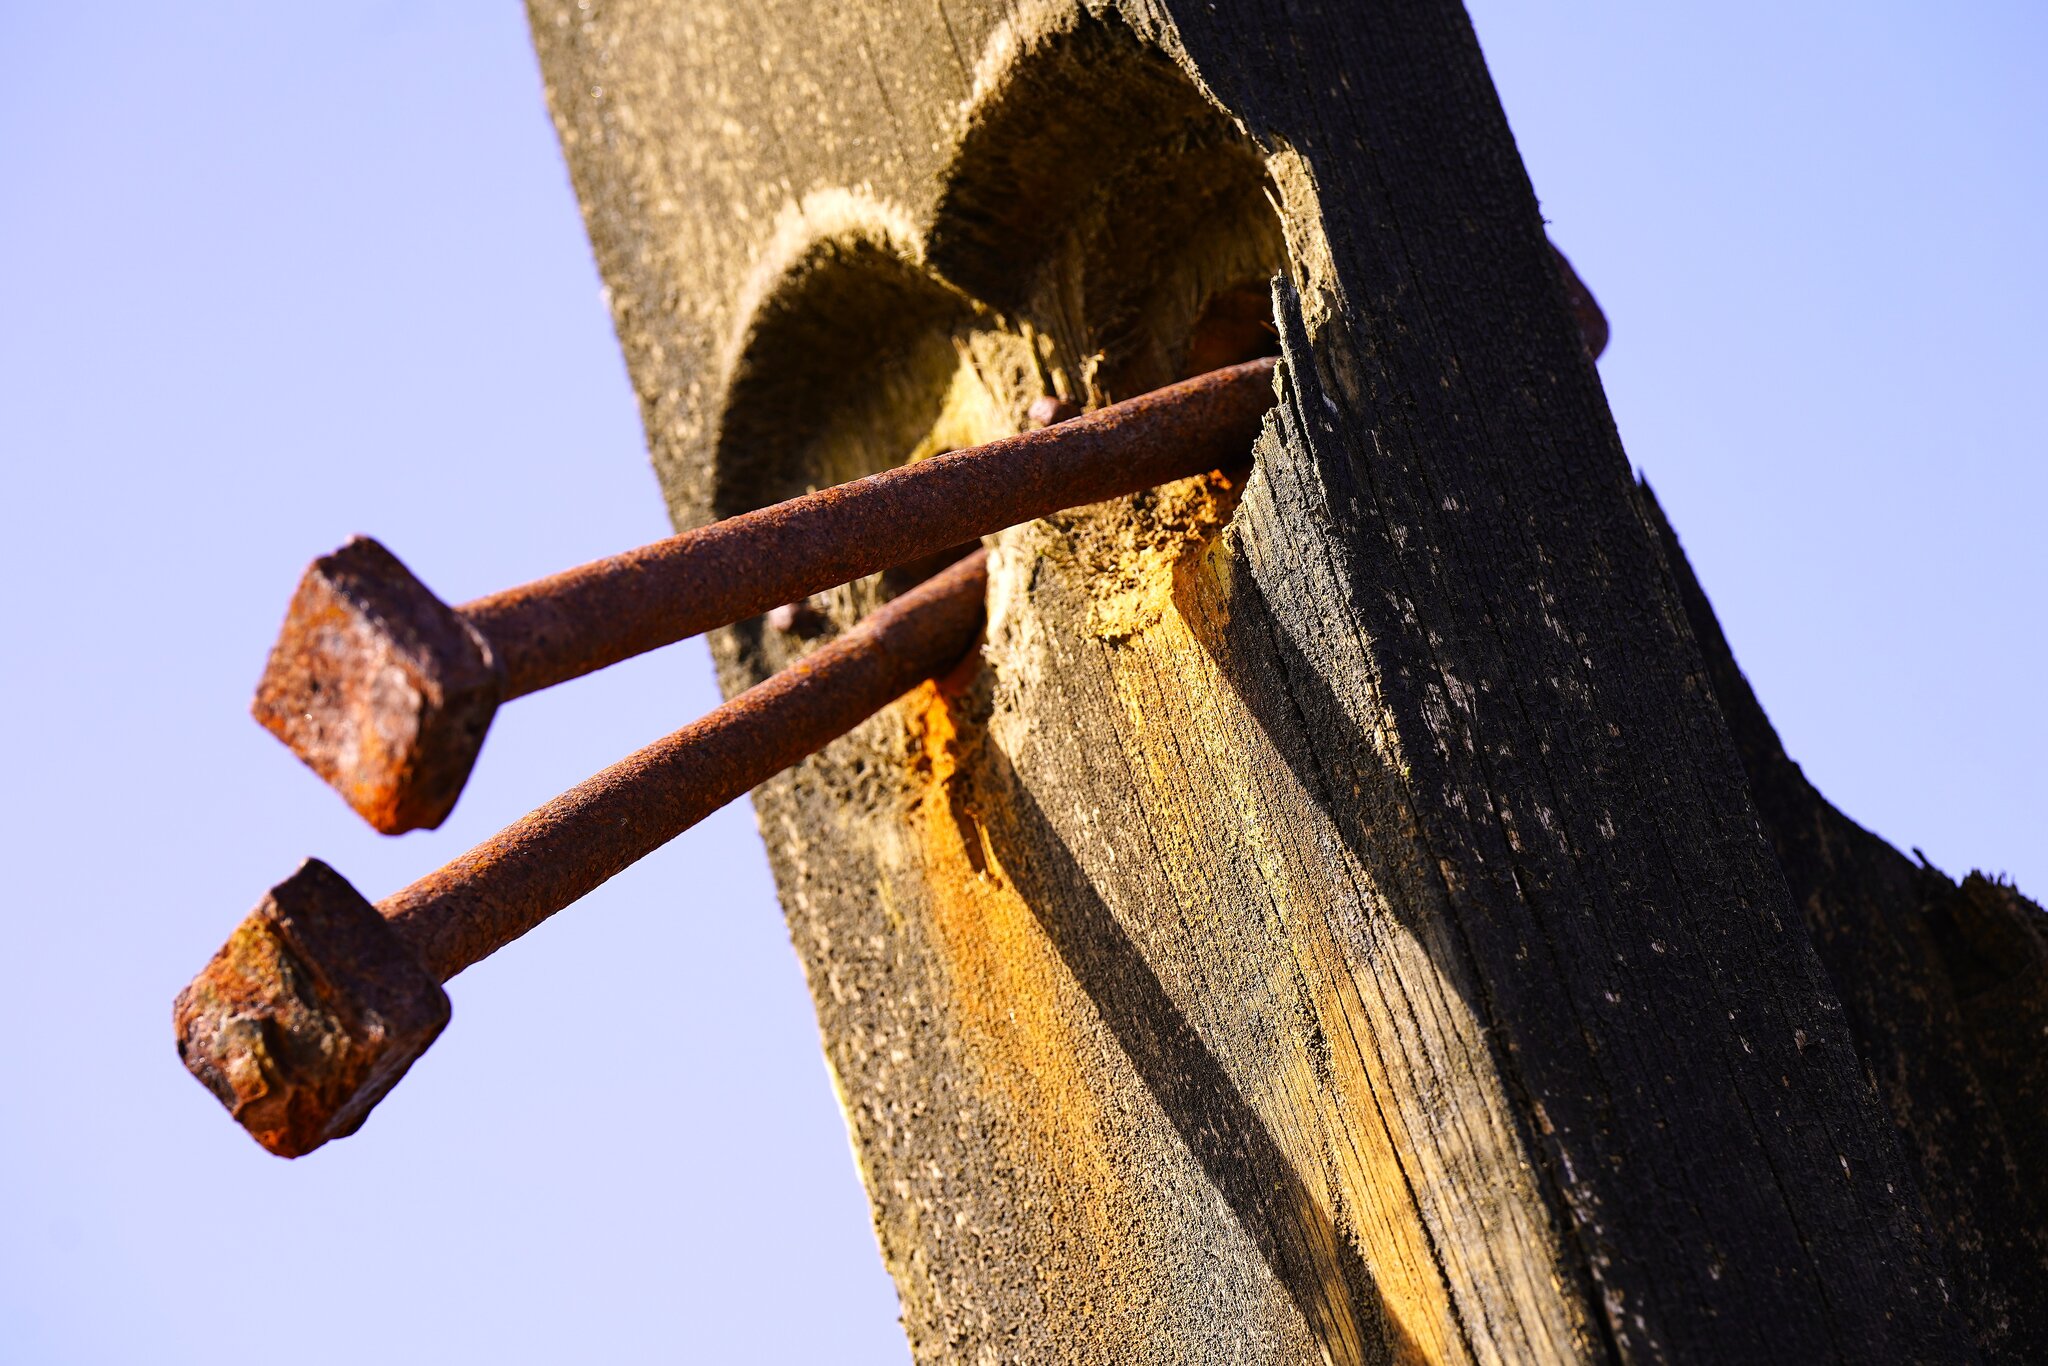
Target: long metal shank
{"type": "Point", "coordinates": [471, 907]}
{"type": "Point", "coordinates": [570, 624]}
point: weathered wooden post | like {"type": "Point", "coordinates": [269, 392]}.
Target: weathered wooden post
{"type": "Point", "coordinates": [1335, 922]}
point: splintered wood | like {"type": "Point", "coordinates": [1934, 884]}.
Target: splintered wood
{"type": "Point", "coordinates": [1330, 922]}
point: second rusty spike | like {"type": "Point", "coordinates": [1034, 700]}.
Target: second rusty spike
{"type": "Point", "coordinates": [386, 691]}
{"type": "Point", "coordinates": [320, 1001]}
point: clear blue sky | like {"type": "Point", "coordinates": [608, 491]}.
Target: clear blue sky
{"type": "Point", "coordinates": [272, 274]}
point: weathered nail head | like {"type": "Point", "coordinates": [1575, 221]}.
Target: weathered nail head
{"type": "Point", "coordinates": [380, 687]}
{"type": "Point", "coordinates": [320, 1001]}
{"type": "Point", "coordinates": [386, 691]}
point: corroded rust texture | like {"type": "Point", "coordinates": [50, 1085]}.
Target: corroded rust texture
{"type": "Point", "coordinates": [581, 620]}
{"type": "Point", "coordinates": [309, 1013]}
{"type": "Point", "coordinates": [386, 692]}
{"type": "Point", "coordinates": [1586, 310]}
{"type": "Point", "coordinates": [380, 687]}
{"type": "Point", "coordinates": [319, 1001]}
{"type": "Point", "coordinates": [478, 903]}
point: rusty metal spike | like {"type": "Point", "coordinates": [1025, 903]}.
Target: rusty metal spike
{"type": "Point", "coordinates": [319, 1001]}
{"type": "Point", "coordinates": [386, 691]}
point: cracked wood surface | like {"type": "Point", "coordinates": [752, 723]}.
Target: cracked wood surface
{"type": "Point", "coordinates": [1946, 993]}
{"type": "Point", "coordinates": [1331, 921]}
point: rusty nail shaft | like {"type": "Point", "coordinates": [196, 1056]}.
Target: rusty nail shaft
{"type": "Point", "coordinates": [573, 623]}
{"type": "Point", "coordinates": [319, 1002]}
{"type": "Point", "coordinates": [483, 900]}
{"type": "Point", "coordinates": [386, 691]}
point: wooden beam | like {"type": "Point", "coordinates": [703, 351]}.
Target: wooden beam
{"type": "Point", "coordinates": [1333, 922]}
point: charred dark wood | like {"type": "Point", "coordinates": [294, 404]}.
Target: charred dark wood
{"type": "Point", "coordinates": [1334, 923]}
{"type": "Point", "coordinates": [1946, 992]}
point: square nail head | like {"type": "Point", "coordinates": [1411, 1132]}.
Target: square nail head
{"type": "Point", "coordinates": [380, 687]}
{"type": "Point", "coordinates": [311, 1011]}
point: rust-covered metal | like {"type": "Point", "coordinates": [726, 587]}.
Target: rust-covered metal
{"type": "Point", "coordinates": [320, 1001]}
{"type": "Point", "coordinates": [1586, 310]}
{"type": "Point", "coordinates": [310, 1012]}
{"type": "Point", "coordinates": [380, 687]}
{"type": "Point", "coordinates": [386, 691]}
{"type": "Point", "coordinates": [576, 622]}
{"type": "Point", "coordinates": [511, 882]}
{"type": "Point", "coordinates": [1049, 410]}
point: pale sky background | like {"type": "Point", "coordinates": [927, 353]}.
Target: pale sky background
{"type": "Point", "coordinates": [275, 273]}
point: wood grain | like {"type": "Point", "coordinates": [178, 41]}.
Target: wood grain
{"type": "Point", "coordinates": [1332, 922]}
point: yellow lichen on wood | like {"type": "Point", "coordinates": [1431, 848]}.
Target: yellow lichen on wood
{"type": "Point", "coordinates": [1005, 982]}
{"type": "Point", "coordinates": [1131, 549]}
{"type": "Point", "coordinates": [1420, 1131]}
{"type": "Point", "coordinates": [1311, 1054]}
{"type": "Point", "coordinates": [1183, 726]}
